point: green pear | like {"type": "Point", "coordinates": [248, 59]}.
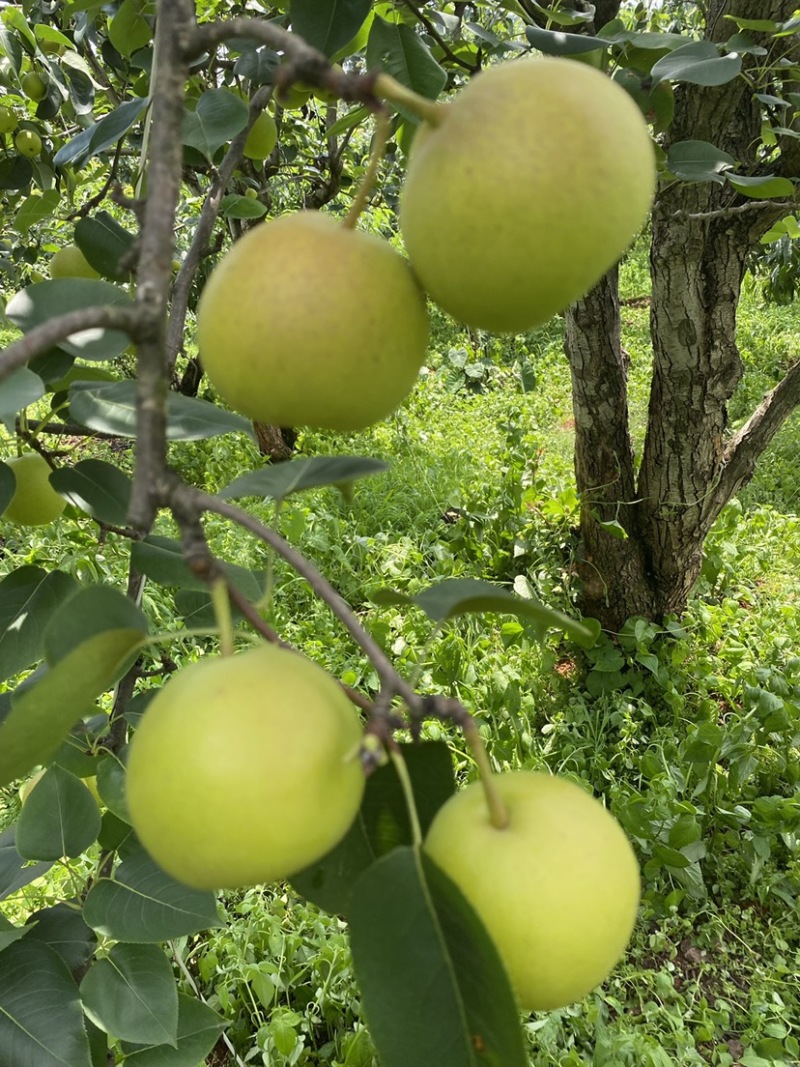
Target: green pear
{"type": "Point", "coordinates": [527, 189]}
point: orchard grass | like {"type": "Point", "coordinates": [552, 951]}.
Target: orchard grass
{"type": "Point", "coordinates": [690, 732]}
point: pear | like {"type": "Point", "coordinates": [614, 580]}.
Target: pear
{"type": "Point", "coordinates": [306, 322]}
{"type": "Point", "coordinates": [524, 191]}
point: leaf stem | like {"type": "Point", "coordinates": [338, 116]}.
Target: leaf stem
{"type": "Point", "coordinates": [222, 611]}
{"type": "Point", "coordinates": [375, 158]}
{"type": "Point", "coordinates": [408, 793]}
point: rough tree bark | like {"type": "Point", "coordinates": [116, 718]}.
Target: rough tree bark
{"type": "Point", "coordinates": [690, 466]}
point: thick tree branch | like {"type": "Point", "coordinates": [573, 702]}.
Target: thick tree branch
{"type": "Point", "coordinates": [174, 24]}
{"type": "Point", "coordinates": [43, 337]}
{"type": "Point", "coordinates": [747, 445]}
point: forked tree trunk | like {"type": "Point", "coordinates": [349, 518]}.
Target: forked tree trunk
{"type": "Point", "coordinates": [643, 529]}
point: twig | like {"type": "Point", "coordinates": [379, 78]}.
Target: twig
{"type": "Point", "coordinates": [48, 334]}
{"type": "Point", "coordinates": [739, 209]}
{"type": "Point", "coordinates": [473, 68]}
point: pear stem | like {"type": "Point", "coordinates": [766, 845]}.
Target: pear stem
{"type": "Point", "coordinates": [389, 89]}
{"type": "Point", "coordinates": [408, 793]}
{"type": "Point", "coordinates": [222, 611]}
{"type": "Point", "coordinates": [498, 812]}
{"type": "Point", "coordinates": [367, 182]}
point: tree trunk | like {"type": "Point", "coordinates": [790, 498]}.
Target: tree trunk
{"type": "Point", "coordinates": [643, 533]}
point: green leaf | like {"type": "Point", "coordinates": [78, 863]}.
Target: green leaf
{"type": "Point", "coordinates": [21, 388]}
{"type": "Point", "coordinates": [43, 713]}
{"type": "Point", "coordinates": [28, 597]}
{"type": "Point", "coordinates": [60, 818]}
{"type": "Point", "coordinates": [14, 874]}
{"type": "Point", "coordinates": [459, 596]}
{"type": "Point", "coordinates": [91, 611]}
{"type": "Point", "coordinates": [698, 161]}
{"type": "Point", "coordinates": [328, 26]}
{"type": "Point", "coordinates": [381, 824]}
{"type": "Point", "coordinates": [104, 243]}
{"type": "Point", "coordinates": [10, 933]}
{"type": "Point", "coordinates": [131, 994]}
{"type": "Point", "coordinates": [35, 209]}
{"type": "Point", "coordinates": [143, 904]}
{"type": "Point", "coordinates": [434, 990]}
{"type": "Point", "coordinates": [234, 206]}
{"type": "Point", "coordinates": [130, 29]}
{"type": "Point", "coordinates": [16, 172]}
{"type": "Point", "coordinates": [397, 50]}
{"type": "Point", "coordinates": [46, 300]}
{"type": "Point", "coordinates": [111, 786]}
{"type": "Point", "coordinates": [96, 487]}
{"type": "Point", "coordinates": [111, 408]}
{"type": "Point", "coordinates": [161, 559]}
{"type": "Point", "coordinates": [350, 119]}
{"type": "Point", "coordinates": [218, 117]}
{"type": "Point", "coordinates": [63, 929]}
{"type": "Point", "coordinates": [198, 1030]}
{"type": "Point", "coordinates": [103, 135]}
{"type": "Point", "coordinates": [33, 976]}
{"type": "Point", "coordinates": [283, 479]}
{"type": "Point", "coordinates": [766, 187]}
{"type": "Point", "coordinates": [697, 63]}
{"type": "Point", "coordinates": [558, 43]}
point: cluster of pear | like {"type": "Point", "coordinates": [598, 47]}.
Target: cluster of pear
{"type": "Point", "coordinates": [519, 196]}
{"type": "Point", "coordinates": [245, 769]}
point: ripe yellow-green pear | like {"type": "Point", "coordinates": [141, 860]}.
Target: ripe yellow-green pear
{"type": "Point", "coordinates": [530, 186]}
{"type": "Point", "coordinates": [28, 143]}
{"type": "Point", "coordinates": [262, 137]}
{"type": "Point", "coordinates": [244, 769]}
{"type": "Point", "coordinates": [308, 323]}
{"type": "Point", "coordinates": [35, 502]}
{"type": "Point", "coordinates": [70, 262]}
{"type": "Point", "coordinates": [8, 120]}
{"type": "Point", "coordinates": [34, 86]}
{"type": "Point", "coordinates": [557, 889]}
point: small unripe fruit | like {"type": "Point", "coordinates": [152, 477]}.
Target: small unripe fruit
{"type": "Point", "coordinates": [34, 86]}
{"type": "Point", "coordinates": [35, 502]}
{"type": "Point", "coordinates": [262, 137]}
{"type": "Point", "coordinates": [70, 262]}
{"type": "Point", "coordinates": [8, 120]}
{"type": "Point", "coordinates": [28, 143]}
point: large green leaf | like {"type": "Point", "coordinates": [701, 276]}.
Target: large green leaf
{"type": "Point", "coordinates": [111, 408]}
{"type": "Point", "coordinates": [459, 596]}
{"type": "Point", "coordinates": [558, 43]}
{"type": "Point", "coordinates": [96, 487]}
{"type": "Point", "coordinates": [28, 598]}
{"type": "Point", "coordinates": [394, 48]}
{"type": "Point", "coordinates": [43, 713]}
{"type": "Point", "coordinates": [283, 479]}
{"type": "Point", "coordinates": [35, 209]}
{"type": "Point", "coordinates": [698, 63]}
{"type": "Point", "coordinates": [698, 161]}
{"type": "Point", "coordinates": [328, 26]}
{"type": "Point", "coordinates": [131, 994]}
{"type": "Point", "coordinates": [41, 1020]}
{"type": "Point", "coordinates": [59, 818]}
{"type": "Point", "coordinates": [130, 29]}
{"type": "Point", "coordinates": [92, 610]}
{"type": "Point", "coordinates": [14, 873]}
{"type": "Point", "coordinates": [63, 929]}
{"type": "Point", "coordinates": [105, 133]}
{"type": "Point", "coordinates": [104, 243]}
{"type": "Point", "coordinates": [46, 300]}
{"type": "Point", "coordinates": [21, 388]}
{"type": "Point", "coordinates": [764, 187]}
{"type": "Point", "coordinates": [382, 824]}
{"type": "Point", "coordinates": [218, 117]}
{"type": "Point", "coordinates": [198, 1030]}
{"type": "Point", "coordinates": [161, 559]}
{"type": "Point", "coordinates": [434, 990]}
{"type": "Point", "coordinates": [143, 904]}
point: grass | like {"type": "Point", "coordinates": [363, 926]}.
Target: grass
{"type": "Point", "coordinates": [689, 732]}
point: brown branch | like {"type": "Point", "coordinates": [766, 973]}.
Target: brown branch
{"type": "Point", "coordinates": [174, 25]}
{"type": "Point", "coordinates": [748, 444]}
{"type": "Point", "coordinates": [423, 19]}
{"type": "Point", "coordinates": [186, 501]}
{"type": "Point", "coordinates": [45, 336]}
{"type": "Point", "coordinates": [739, 209]}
